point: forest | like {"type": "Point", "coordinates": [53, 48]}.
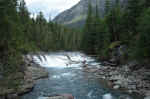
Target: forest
{"type": "Point", "coordinates": [120, 25]}
{"type": "Point", "coordinates": [20, 34]}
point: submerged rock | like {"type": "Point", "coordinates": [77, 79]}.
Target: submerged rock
{"type": "Point", "coordinates": [63, 96]}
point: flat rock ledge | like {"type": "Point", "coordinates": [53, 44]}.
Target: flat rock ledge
{"type": "Point", "coordinates": [32, 73]}
{"type": "Point", "coordinates": [122, 78]}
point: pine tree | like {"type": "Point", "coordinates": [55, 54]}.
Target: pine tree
{"type": "Point", "coordinates": [10, 34]}
{"type": "Point", "coordinates": [143, 48]}
{"type": "Point", "coordinates": [97, 29]}
{"type": "Point", "coordinates": [133, 12]}
{"type": "Point", "coordinates": [89, 40]}
{"type": "Point", "coordinates": [145, 4]}
{"type": "Point", "coordinates": [114, 22]}
{"type": "Point", "coordinates": [107, 6]}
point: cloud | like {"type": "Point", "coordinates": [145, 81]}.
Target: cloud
{"type": "Point", "coordinates": [49, 7]}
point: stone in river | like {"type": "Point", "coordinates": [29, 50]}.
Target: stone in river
{"type": "Point", "coordinates": [62, 96]}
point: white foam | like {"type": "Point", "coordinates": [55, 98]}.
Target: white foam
{"type": "Point", "coordinates": [56, 77]}
{"type": "Point", "coordinates": [62, 59]}
{"type": "Point", "coordinates": [43, 97]}
{"type": "Point", "coordinates": [107, 96]}
{"type": "Point", "coordinates": [67, 74]}
{"type": "Point", "coordinates": [90, 93]}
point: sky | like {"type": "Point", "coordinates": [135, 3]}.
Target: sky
{"type": "Point", "coordinates": [50, 8]}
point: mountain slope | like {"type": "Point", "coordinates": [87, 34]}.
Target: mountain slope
{"type": "Point", "coordinates": [75, 17]}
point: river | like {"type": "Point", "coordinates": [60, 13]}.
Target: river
{"type": "Point", "coordinates": [66, 75]}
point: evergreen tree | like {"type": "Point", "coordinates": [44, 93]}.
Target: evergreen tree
{"type": "Point", "coordinates": [107, 6]}
{"type": "Point", "coordinates": [143, 48]}
{"type": "Point", "coordinates": [133, 12]}
{"type": "Point", "coordinates": [10, 34]}
{"type": "Point", "coordinates": [145, 4]}
{"type": "Point", "coordinates": [114, 22]}
{"type": "Point", "coordinates": [102, 37]}
{"type": "Point", "coordinates": [89, 36]}
{"type": "Point", "coordinates": [96, 25]}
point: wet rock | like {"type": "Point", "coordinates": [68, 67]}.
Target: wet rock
{"type": "Point", "coordinates": [111, 63]}
{"type": "Point", "coordinates": [12, 96]}
{"type": "Point", "coordinates": [132, 77]}
{"type": "Point", "coordinates": [2, 97]}
{"type": "Point", "coordinates": [62, 96]}
{"type": "Point", "coordinates": [130, 91]}
{"type": "Point", "coordinates": [148, 97]}
{"type": "Point", "coordinates": [124, 97]}
{"type": "Point", "coordinates": [134, 65]}
{"type": "Point", "coordinates": [93, 70]}
{"type": "Point", "coordinates": [38, 72]}
{"type": "Point", "coordinates": [25, 88]}
{"type": "Point", "coordinates": [55, 97]}
{"type": "Point", "coordinates": [148, 93]}
{"type": "Point", "coordinates": [5, 91]}
{"type": "Point", "coordinates": [32, 72]}
{"type": "Point", "coordinates": [27, 84]}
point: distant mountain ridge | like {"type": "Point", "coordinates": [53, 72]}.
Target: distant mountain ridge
{"type": "Point", "coordinates": [75, 16]}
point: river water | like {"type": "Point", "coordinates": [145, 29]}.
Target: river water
{"type": "Point", "coordinates": [66, 75]}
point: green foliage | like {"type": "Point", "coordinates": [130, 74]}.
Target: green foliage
{"type": "Point", "coordinates": [88, 41]}
{"type": "Point", "coordinates": [127, 26]}
{"type": "Point", "coordinates": [114, 44]}
{"type": "Point", "coordinates": [114, 22]}
{"type": "Point", "coordinates": [107, 6]}
{"type": "Point", "coordinates": [143, 48]}
{"type": "Point", "coordinates": [21, 34]}
{"type": "Point", "coordinates": [133, 12]}
{"type": "Point", "coordinates": [79, 18]}
{"type": "Point", "coordinates": [145, 3]}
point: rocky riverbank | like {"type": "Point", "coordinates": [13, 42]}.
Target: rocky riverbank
{"type": "Point", "coordinates": [32, 72]}
{"type": "Point", "coordinates": [124, 78]}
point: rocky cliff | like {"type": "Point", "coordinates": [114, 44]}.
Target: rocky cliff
{"type": "Point", "coordinates": [75, 16]}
